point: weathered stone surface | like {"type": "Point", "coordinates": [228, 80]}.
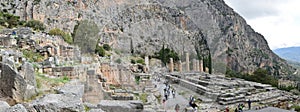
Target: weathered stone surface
{"type": "Point", "coordinates": [58, 103]}
{"type": "Point", "coordinates": [12, 84]}
{"type": "Point", "coordinates": [149, 23]}
{"type": "Point", "coordinates": [96, 110]}
{"type": "Point", "coordinates": [30, 92]}
{"type": "Point", "coordinates": [74, 87]}
{"type": "Point", "coordinates": [121, 106]}
{"type": "Point", "coordinates": [16, 108]}
{"type": "Point", "coordinates": [27, 71]}
{"type": "Point", "coordinates": [3, 106]}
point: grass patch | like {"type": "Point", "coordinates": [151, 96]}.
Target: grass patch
{"type": "Point", "coordinates": [296, 107]}
{"type": "Point", "coordinates": [182, 93]}
{"type": "Point", "coordinates": [86, 108]}
{"type": "Point", "coordinates": [44, 82]}
{"type": "Point", "coordinates": [143, 97]}
{"type": "Point", "coordinates": [32, 56]}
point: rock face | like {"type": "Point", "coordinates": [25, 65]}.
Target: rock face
{"type": "Point", "coordinates": [200, 27]}
{"type": "Point", "coordinates": [121, 106]}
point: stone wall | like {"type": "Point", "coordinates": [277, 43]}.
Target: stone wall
{"type": "Point", "coordinates": [117, 74]}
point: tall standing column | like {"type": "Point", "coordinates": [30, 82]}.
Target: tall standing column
{"type": "Point", "coordinates": [197, 66]}
{"type": "Point", "coordinates": [201, 66]}
{"type": "Point", "coordinates": [194, 65]}
{"type": "Point", "coordinates": [147, 62]}
{"type": "Point", "coordinates": [171, 65]}
{"type": "Point", "coordinates": [187, 61]}
{"type": "Point", "coordinates": [179, 66]}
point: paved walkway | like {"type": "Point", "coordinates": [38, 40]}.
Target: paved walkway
{"type": "Point", "coordinates": [170, 104]}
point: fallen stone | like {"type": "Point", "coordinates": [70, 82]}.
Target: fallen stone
{"type": "Point", "coordinates": [16, 108]}
{"type": "Point", "coordinates": [12, 84]}
{"type": "Point", "coordinates": [96, 110]}
{"type": "Point", "coordinates": [74, 87]}
{"type": "Point", "coordinates": [58, 103]}
{"type": "Point", "coordinates": [3, 106]}
{"type": "Point", "coordinates": [29, 74]}
{"type": "Point", "coordinates": [121, 106]}
{"type": "Point", "coordinates": [30, 92]}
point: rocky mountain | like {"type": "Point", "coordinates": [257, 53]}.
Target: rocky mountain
{"type": "Point", "coordinates": [289, 53]}
{"type": "Point", "coordinates": [203, 28]}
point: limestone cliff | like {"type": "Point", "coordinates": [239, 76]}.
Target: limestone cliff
{"type": "Point", "coordinates": [200, 27]}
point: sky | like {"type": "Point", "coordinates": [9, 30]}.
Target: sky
{"type": "Point", "coordinates": [277, 20]}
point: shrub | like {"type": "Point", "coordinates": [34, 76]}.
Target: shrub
{"type": "Point", "coordinates": [35, 25]}
{"type": "Point", "coordinates": [32, 56]}
{"type": "Point", "coordinates": [296, 107]}
{"type": "Point", "coordinates": [8, 20]}
{"type": "Point", "coordinates": [35, 2]}
{"type": "Point", "coordinates": [66, 36]}
{"type": "Point", "coordinates": [133, 61]}
{"type": "Point", "coordinates": [119, 61]}
{"type": "Point", "coordinates": [106, 47]}
{"type": "Point", "coordinates": [140, 61]}
{"type": "Point", "coordinates": [260, 75]}
{"type": "Point", "coordinates": [100, 51]}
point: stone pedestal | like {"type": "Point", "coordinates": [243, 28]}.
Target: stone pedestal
{"type": "Point", "coordinates": [187, 61]}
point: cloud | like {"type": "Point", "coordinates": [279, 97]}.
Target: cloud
{"type": "Point", "coordinates": [277, 20]}
{"type": "Point", "coordinates": [255, 8]}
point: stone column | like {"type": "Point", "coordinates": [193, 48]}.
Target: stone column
{"type": "Point", "coordinates": [187, 61]}
{"type": "Point", "coordinates": [171, 67]}
{"type": "Point", "coordinates": [201, 66]}
{"type": "Point", "coordinates": [111, 60]}
{"type": "Point", "coordinates": [179, 66]}
{"type": "Point", "coordinates": [147, 62]}
{"type": "Point", "coordinates": [194, 65]}
{"type": "Point", "coordinates": [197, 66]}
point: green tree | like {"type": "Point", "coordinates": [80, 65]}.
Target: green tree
{"type": "Point", "coordinates": [209, 64]}
{"type": "Point", "coordinates": [165, 54]}
{"type": "Point", "coordinates": [8, 20]}
{"type": "Point", "coordinates": [35, 25]}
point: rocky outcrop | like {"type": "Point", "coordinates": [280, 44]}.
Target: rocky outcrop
{"type": "Point", "coordinates": [200, 27]}
{"type": "Point", "coordinates": [121, 106]}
